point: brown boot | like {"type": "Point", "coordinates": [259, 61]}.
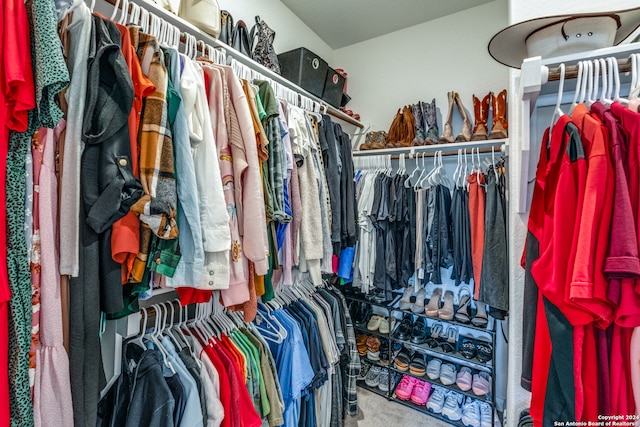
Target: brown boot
{"type": "Point", "coordinates": [408, 128]}
{"type": "Point", "coordinates": [500, 124]}
{"type": "Point", "coordinates": [481, 115]}
{"type": "Point", "coordinates": [394, 130]}
{"type": "Point", "coordinates": [447, 136]}
{"type": "Point", "coordinates": [465, 135]}
{"type": "Point", "coordinates": [378, 140]}
{"type": "Point", "coordinates": [368, 139]}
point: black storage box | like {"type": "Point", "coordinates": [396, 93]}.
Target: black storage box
{"type": "Point", "coordinates": [304, 68]}
{"type": "Point", "coordinates": [333, 88]}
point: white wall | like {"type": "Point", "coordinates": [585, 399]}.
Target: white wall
{"type": "Point", "coordinates": [424, 62]}
{"type": "Point", "coordinates": [521, 10]}
{"type": "Point", "coordinates": [291, 32]}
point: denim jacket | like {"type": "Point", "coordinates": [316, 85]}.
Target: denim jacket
{"type": "Point", "coordinates": [190, 268]}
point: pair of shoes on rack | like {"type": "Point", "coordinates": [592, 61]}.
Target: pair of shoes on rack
{"type": "Point", "coordinates": [470, 348]}
{"type": "Point", "coordinates": [445, 339]}
{"type": "Point", "coordinates": [413, 389]}
{"type": "Point", "coordinates": [379, 377]}
{"type": "Point", "coordinates": [445, 372]}
{"type": "Point", "coordinates": [402, 130]}
{"type": "Point", "coordinates": [446, 402]}
{"type": "Point", "coordinates": [433, 308]}
{"type": "Point", "coordinates": [374, 140]}
{"type": "Point", "coordinates": [380, 324]}
{"type": "Point", "coordinates": [481, 112]}
{"type": "Point", "coordinates": [479, 383]}
{"type": "Point", "coordinates": [426, 121]}
{"type": "Point", "coordinates": [476, 413]}
{"type": "Point", "coordinates": [498, 103]}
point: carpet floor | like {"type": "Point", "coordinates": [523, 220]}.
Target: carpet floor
{"type": "Point", "coordinates": [376, 411]}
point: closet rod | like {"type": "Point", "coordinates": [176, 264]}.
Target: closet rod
{"type": "Point", "coordinates": [571, 71]}
{"type": "Point", "coordinates": [444, 153]}
{"type": "Point", "coordinates": [186, 27]}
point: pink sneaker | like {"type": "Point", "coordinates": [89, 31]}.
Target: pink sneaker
{"type": "Point", "coordinates": [421, 392]}
{"type": "Point", "coordinates": [405, 388]}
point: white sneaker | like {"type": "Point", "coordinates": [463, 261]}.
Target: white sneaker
{"type": "Point", "coordinates": [453, 406]}
{"type": "Point", "coordinates": [364, 369]}
{"type": "Point", "coordinates": [485, 414]}
{"type": "Point", "coordinates": [436, 401]}
{"type": "Point", "coordinates": [373, 377]}
{"type": "Point", "coordinates": [383, 380]}
{"type": "Point", "coordinates": [471, 413]}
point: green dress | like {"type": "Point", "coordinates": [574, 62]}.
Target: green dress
{"type": "Point", "coordinates": [51, 77]}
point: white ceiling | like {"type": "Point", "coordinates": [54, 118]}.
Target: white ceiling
{"type": "Point", "coordinates": [342, 23]}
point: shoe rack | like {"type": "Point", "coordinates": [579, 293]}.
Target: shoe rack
{"type": "Point", "coordinates": [470, 332]}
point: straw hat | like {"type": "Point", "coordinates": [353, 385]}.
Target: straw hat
{"type": "Point", "coordinates": [551, 36]}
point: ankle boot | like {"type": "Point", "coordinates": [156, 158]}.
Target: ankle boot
{"type": "Point", "coordinates": [394, 130]}
{"type": "Point", "coordinates": [465, 135]}
{"type": "Point", "coordinates": [419, 120]}
{"type": "Point", "coordinates": [430, 117]}
{"type": "Point", "coordinates": [378, 140]}
{"type": "Point", "coordinates": [500, 124]}
{"type": "Point", "coordinates": [481, 115]}
{"type": "Point", "coordinates": [447, 136]}
{"type": "Point", "coordinates": [408, 128]}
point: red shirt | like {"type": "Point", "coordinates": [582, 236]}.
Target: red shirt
{"type": "Point", "coordinates": [588, 288]}
{"type": "Point", "coordinates": [17, 97]}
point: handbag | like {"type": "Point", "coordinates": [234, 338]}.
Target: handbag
{"type": "Point", "coordinates": [240, 38]}
{"type": "Point", "coordinates": [204, 14]}
{"type": "Point", "coordinates": [226, 28]}
{"type": "Point", "coordinates": [263, 51]}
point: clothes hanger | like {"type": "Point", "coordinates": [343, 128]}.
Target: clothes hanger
{"type": "Point", "coordinates": [557, 110]}
{"type": "Point", "coordinates": [92, 6]}
{"type": "Point", "coordinates": [603, 70]}
{"type": "Point", "coordinates": [595, 76]}
{"type": "Point", "coordinates": [607, 99]}
{"type": "Point", "coordinates": [635, 83]}
{"type": "Point", "coordinates": [115, 10]}
{"type": "Point", "coordinates": [616, 76]}
{"type": "Point", "coordinates": [493, 161]}
{"type": "Point", "coordinates": [140, 338]}
{"type": "Point", "coordinates": [589, 85]}
{"type": "Point", "coordinates": [574, 104]}
{"type": "Point", "coordinates": [585, 81]}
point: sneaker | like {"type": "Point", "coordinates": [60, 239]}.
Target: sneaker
{"type": "Point", "coordinates": [385, 387]}
{"type": "Point", "coordinates": [485, 414]}
{"type": "Point", "coordinates": [453, 406]}
{"type": "Point", "coordinates": [436, 401]}
{"type": "Point", "coordinates": [364, 369]}
{"type": "Point", "coordinates": [383, 380]}
{"type": "Point", "coordinates": [448, 374]}
{"type": "Point", "coordinates": [373, 377]}
{"type": "Point", "coordinates": [374, 322]}
{"type": "Point", "coordinates": [386, 325]}
{"type": "Point", "coordinates": [405, 388]}
{"type": "Point", "coordinates": [420, 393]}
{"type": "Point", "coordinates": [471, 413]}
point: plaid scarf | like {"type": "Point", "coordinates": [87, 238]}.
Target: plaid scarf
{"type": "Point", "coordinates": [157, 207]}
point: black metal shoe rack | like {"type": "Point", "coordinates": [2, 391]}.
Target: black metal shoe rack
{"type": "Point", "coordinates": [464, 331]}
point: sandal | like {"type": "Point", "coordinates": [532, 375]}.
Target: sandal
{"type": "Point", "coordinates": [436, 330]}
{"type": "Point", "coordinates": [480, 320]}
{"type": "Point", "coordinates": [446, 312]}
{"type": "Point", "coordinates": [431, 309]}
{"type": "Point", "coordinates": [449, 345]}
{"type": "Point", "coordinates": [481, 384]}
{"type": "Point", "coordinates": [418, 364]}
{"type": "Point", "coordinates": [403, 359]}
{"type": "Point", "coordinates": [467, 349]}
{"type": "Point", "coordinates": [484, 352]}
{"type": "Point", "coordinates": [464, 301]}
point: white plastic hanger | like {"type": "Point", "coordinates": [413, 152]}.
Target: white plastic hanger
{"type": "Point", "coordinates": [617, 97]}
{"type": "Point", "coordinates": [115, 10]}
{"type": "Point", "coordinates": [92, 6]}
{"type": "Point", "coordinates": [557, 111]}
{"type": "Point", "coordinates": [635, 85]}
{"type": "Point", "coordinates": [574, 104]}
{"type": "Point", "coordinates": [407, 182]}
{"type": "Point", "coordinates": [593, 95]}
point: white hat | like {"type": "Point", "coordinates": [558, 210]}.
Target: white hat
{"type": "Point", "coordinates": [551, 36]}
